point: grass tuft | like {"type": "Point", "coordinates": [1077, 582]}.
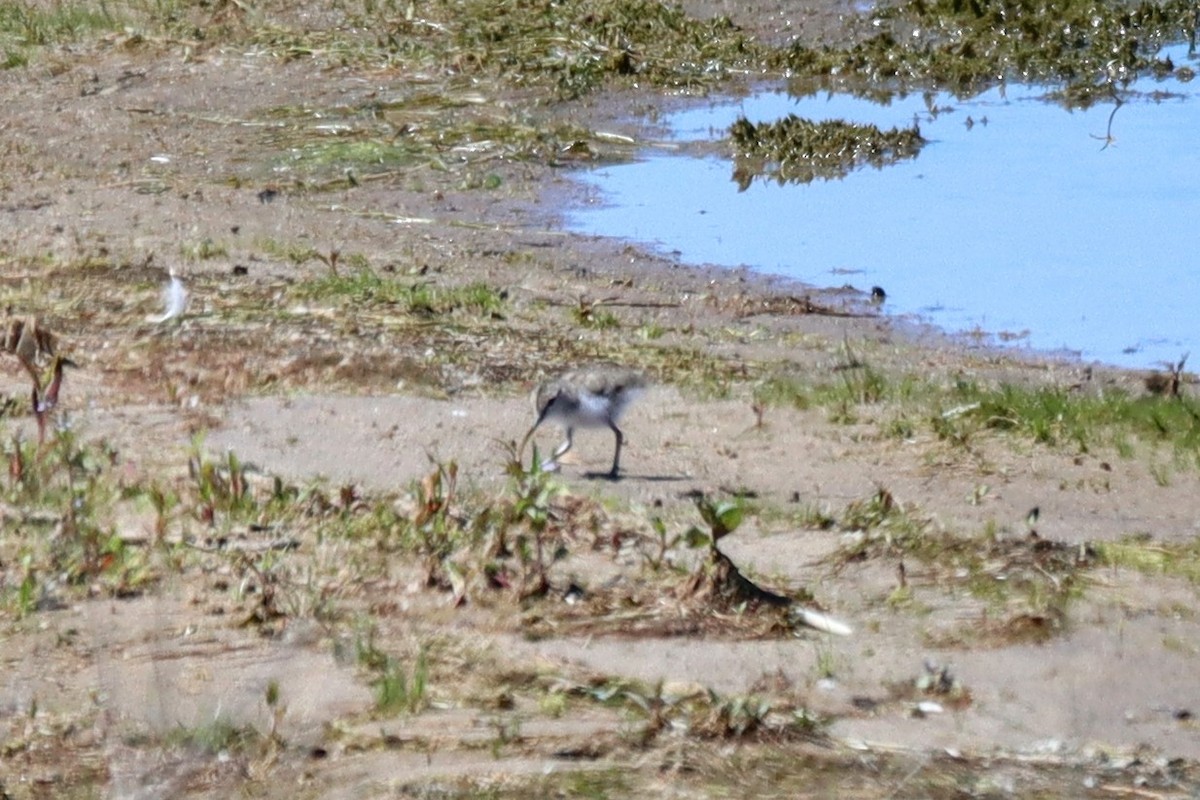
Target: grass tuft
{"type": "Point", "coordinates": [364, 286]}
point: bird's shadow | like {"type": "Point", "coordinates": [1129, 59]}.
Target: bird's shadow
{"type": "Point", "coordinates": [608, 476]}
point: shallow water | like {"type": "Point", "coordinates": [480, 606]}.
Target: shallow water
{"type": "Point", "coordinates": [1025, 224]}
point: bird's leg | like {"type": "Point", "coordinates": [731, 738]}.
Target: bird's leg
{"type": "Point", "coordinates": [44, 403]}
{"type": "Point", "coordinates": [616, 465]}
{"type": "Point", "coordinates": [51, 398]}
{"type": "Point", "coordinates": [551, 464]}
{"type": "Point", "coordinates": [39, 414]}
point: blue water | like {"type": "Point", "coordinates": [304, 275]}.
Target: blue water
{"type": "Point", "coordinates": [1028, 225]}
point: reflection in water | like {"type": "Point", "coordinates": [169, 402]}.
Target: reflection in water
{"type": "Point", "coordinates": [1017, 218]}
{"type": "Point", "coordinates": [797, 150]}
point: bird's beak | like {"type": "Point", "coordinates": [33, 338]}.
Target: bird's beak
{"type": "Point", "coordinates": [529, 435]}
{"type": "Point", "coordinates": [525, 441]}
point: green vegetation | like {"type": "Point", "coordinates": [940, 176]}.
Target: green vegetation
{"type": "Point", "coordinates": [578, 45]}
{"type": "Point", "coordinates": [1146, 555]}
{"type": "Point", "coordinates": [1084, 420]}
{"type": "Point", "coordinates": [219, 736]}
{"type": "Point", "coordinates": [1087, 421]}
{"type": "Point", "coordinates": [365, 287]}
{"type": "Point", "coordinates": [570, 48]}
{"type": "Point", "coordinates": [395, 690]}
{"type": "Point", "coordinates": [368, 154]}
{"type": "Point", "coordinates": [203, 250]}
{"type": "Point", "coordinates": [27, 24]}
{"type": "Point", "coordinates": [1026, 582]}
{"type": "Point", "coordinates": [62, 540]}
{"type": "Point", "coordinates": [448, 131]}
{"type": "Point", "coordinates": [293, 252]}
{"type": "Point", "coordinates": [594, 315]}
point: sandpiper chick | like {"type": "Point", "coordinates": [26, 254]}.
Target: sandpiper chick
{"type": "Point", "coordinates": [594, 397]}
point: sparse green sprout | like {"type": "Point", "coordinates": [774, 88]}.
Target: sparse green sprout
{"type": "Point", "coordinates": [723, 517]}
{"type": "Point", "coordinates": [203, 250]}
{"type": "Point", "coordinates": [395, 690]}
{"type": "Point", "coordinates": [218, 736]}
{"type": "Point", "coordinates": [664, 541]}
{"type": "Point", "coordinates": [1161, 473]}
{"type": "Point", "coordinates": [223, 491]}
{"type": "Point", "coordinates": [651, 332]}
{"type": "Point", "coordinates": [26, 602]}
{"type": "Point", "coordinates": [532, 493]}
{"type": "Point", "coordinates": [295, 253]}
{"type": "Point", "coordinates": [553, 704]}
{"type": "Point", "coordinates": [900, 597]}
{"type": "Point", "coordinates": [826, 662]}
{"type": "Point", "coordinates": [591, 314]}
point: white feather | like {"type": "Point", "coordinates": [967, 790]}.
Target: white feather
{"type": "Point", "coordinates": [821, 622]}
{"type": "Point", "coordinates": [175, 299]}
